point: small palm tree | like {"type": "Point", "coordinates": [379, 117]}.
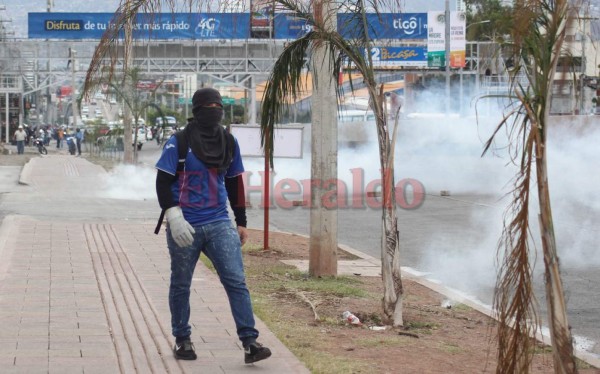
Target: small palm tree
{"type": "Point", "coordinates": [538, 35]}
{"type": "Point", "coordinates": [285, 84]}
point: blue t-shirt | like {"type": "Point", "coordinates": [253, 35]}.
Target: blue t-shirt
{"type": "Point", "coordinates": [200, 192]}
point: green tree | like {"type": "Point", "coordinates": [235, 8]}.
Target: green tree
{"type": "Point", "coordinates": [488, 20]}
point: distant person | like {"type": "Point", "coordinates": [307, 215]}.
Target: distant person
{"type": "Point", "coordinates": [158, 135]}
{"type": "Point", "coordinates": [30, 134]}
{"type": "Point", "coordinates": [195, 204]}
{"type": "Point", "coordinates": [47, 136]}
{"type": "Point", "coordinates": [60, 134]}
{"type": "Point", "coordinates": [71, 144]}
{"type": "Point", "coordinates": [79, 139]}
{"type": "Point", "coordinates": [20, 136]}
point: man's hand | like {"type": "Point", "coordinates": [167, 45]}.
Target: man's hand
{"type": "Point", "coordinates": [243, 233]}
{"type": "Point", "coordinates": [181, 231]}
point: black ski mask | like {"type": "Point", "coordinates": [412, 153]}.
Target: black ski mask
{"type": "Point", "coordinates": [206, 137]}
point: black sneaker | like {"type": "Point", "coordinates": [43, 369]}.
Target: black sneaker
{"type": "Point", "coordinates": [184, 350]}
{"type": "Point", "coordinates": [255, 352]}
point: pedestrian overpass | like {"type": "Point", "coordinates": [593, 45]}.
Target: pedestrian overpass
{"type": "Point", "coordinates": [34, 68]}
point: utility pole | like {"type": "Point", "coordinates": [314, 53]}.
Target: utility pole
{"type": "Point", "coordinates": [48, 101]}
{"type": "Point", "coordinates": [74, 111]}
{"type": "Point", "coordinates": [323, 220]}
{"type": "Point", "coordinates": [447, 42]}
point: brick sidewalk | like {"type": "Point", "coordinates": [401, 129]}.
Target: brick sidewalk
{"type": "Point", "coordinates": [89, 297]}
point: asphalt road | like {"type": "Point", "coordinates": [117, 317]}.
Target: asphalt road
{"type": "Point", "coordinates": [454, 238]}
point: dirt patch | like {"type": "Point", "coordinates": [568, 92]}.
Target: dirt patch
{"type": "Point", "coordinates": [308, 319]}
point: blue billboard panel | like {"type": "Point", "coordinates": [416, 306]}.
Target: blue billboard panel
{"type": "Point", "coordinates": [145, 26]}
{"type": "Point", "coordinates": [384, 25]}
{"type": "Point", "coordinates": [288, 26]}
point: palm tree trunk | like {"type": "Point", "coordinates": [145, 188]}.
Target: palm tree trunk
{"type": "Point", "coordinates": [390, 249]}
{"type": "Point", "coordinates": [560, 332]}
{"type": "Point", "coordinates": [390, 256]}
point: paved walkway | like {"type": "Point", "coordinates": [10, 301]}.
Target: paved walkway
{"type": "Point", "coordinates": [91, 296]}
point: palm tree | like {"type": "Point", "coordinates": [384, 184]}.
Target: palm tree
{"type": "Point", "coordinates": [285, 85]}
{"type": "Point", "coordinates": [135, 101]}
{"type": "Point", "coordinates": [538, 35]}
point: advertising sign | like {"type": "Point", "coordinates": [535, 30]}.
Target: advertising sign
{"type": "Point", "coordinates": [146, 26]}
{"type": "Point", "coordinates": [384, 25]}
{"type": "Point", "coordinates": [399, 56]}
{"type": "Point", "coordinates": [287, 141]}
{"type": "Point", "coordinates": [288, 26]}
{"type": "Point", "coordinates": [458, 43]}
{"type": "Point", "coordinates": [436, 39]}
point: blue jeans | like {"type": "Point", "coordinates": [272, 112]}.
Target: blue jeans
{"type": "Point", "coordinates": [220, 242]}
{"type": "Point", "coordinates": [20, 147]}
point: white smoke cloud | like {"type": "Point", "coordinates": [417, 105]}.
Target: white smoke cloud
{"type": "Point", "coordinates": [129, 182]}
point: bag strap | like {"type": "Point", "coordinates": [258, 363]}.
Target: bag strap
{"type": "Point", "coordinates": [182, 150]}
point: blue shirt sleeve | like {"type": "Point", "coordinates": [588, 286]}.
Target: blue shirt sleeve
{"type": "Point", "coordinates": [237, 166]}
{"type": "Point", "coordinates": [169, 158]}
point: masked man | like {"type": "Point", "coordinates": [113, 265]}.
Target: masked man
{"type": "Point", "coordinates": [193, 192]}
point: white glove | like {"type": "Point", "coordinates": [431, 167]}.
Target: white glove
{"type": "Point", "coordinates": [181, 231]}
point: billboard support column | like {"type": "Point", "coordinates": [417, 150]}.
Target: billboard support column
{"type": "Point", "coordinates": [7, 118]}
{"type": "Point", "coordinates": [252, 114]}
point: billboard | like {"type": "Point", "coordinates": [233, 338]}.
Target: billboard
{"type": "Point", "coordinates": [436, 39]}
{"type": "Point", "coordinates": [146, 26]}
{"type": "Point", "coordinates": [399, 56]}
{"type": "Point", "coordinates": [288, 26]}
{"type": "Point", "coordinates": [384, 25]}
{"type": "Point", "coordinates": [458, 41]}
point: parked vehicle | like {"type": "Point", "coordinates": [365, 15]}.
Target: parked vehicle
{"type": "Point", "coordinates": [171, 121]}
{"type": "Point", "coordinates": [355, 127]}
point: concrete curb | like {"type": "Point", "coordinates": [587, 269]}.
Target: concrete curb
{"type": "Point", "coordinates": [542, 335]}
{"type": "Point", "coordinates": [6, 226]}
{"type": "Point", "coordinates": [24, 177]}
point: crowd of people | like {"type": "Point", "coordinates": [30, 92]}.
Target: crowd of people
{"type": "Point", "coordinates": [26, 135]}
